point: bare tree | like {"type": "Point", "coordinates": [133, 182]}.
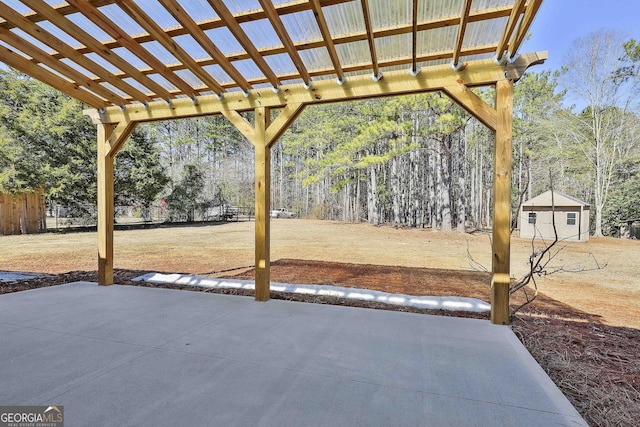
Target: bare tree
{"type": "Point", "coordinates": [591, 76]}
{"type": "Point", "coordinates": [541, 261]}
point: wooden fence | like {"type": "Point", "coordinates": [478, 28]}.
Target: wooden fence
{"type": "Point", "coordinates": [23, 213]}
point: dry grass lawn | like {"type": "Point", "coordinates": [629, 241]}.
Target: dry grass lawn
{"type": "Point", "coordinates": [613, 293]}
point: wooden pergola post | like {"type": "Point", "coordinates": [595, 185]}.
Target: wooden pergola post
{"type": "Point", "coordinates": [500, 280]}
{"type": "Point", "coordinates": [262, 204]}
{"type": "Point", "coordinates": [110, 140]}
{"type": "Point", "coordinates": [263, 135]}
{"type": "Point", "coordinates": [105, 207]}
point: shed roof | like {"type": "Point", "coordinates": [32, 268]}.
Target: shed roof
{"type": "Point", "coordinates": [559, 199]}
{"type": "Point", "coordinates": [123, 52]}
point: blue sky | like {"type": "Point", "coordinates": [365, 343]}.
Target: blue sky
{"type": "Point", "coordinates": [560, 22]}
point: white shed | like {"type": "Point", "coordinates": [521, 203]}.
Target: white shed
{"type": "Point", "coordinates": [571, 217]}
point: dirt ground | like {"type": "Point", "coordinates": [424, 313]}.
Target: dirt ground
{"type": "Point", "coordinates": [584, 328]}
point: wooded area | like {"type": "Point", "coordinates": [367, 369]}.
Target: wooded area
{"type": "Point", "coordinates": [418, 160]}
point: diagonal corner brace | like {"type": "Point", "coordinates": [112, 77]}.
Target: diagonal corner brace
{"type": "Point", "coordinates": [119, 136]}
{"type": "Point", "coordinates": [475, 105]}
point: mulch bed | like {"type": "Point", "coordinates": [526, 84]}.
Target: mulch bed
{"type": "Point", "coordinates": [595, 365]}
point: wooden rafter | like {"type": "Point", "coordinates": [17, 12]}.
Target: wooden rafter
{"type": "Point", "coordinates": [510, 27]}
{"type": "Point", "coordinates": [138, 15]}
{"type": "Point", "coordinates": [198, 34]}
{"type": "Point", "coordinates": [414, 37]}
{"type": "Point", "coordinates": [462, 28]}
{"type": "Point", "coordinates": [354, 37]}
{"type": "Point", "coordinates": [328, 40]}
{"type": "Point", "coordinates": [85, 38]}
{"type": "Point", "coordinates": [27, 67]}
{"type": "Point", "coordinates": [283, 35]}
{"type": "Point", "coordinates": [251, 15]}
{"type": "Point", "coordinates": [67, 51]}
{"type": "Point", "coordinates": [525, 23]}
{"type": "Point", "coordinates": [40, 56]}
{"type": "Point", "coordinates": [128, 42]}
{"type": "Point", "coordinates": [244, 40]}
{"type": "Point", "coordinates": [475, 16]}
{"type": "Point", "coordinates": [281, 9]}
{"type": "Point", "coordinates": [370, 39]}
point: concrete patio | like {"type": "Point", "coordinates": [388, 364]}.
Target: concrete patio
{"type": "Point", "coordinates": [133, 356]}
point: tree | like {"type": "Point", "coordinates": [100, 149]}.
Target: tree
{"type": "Point", "coordinates": [46, 142]}
{"type": "Point", "coordinates": [591, 74]}
{"type": "Point", "coordinates": [139, 175]}
{"type": "Point", "coordinates": [623, 204]}
{"type": "Point", "coordinates": [186, 198]}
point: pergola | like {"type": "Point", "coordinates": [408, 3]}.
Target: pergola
{"type": "Point", "coordinates": [135, 61]}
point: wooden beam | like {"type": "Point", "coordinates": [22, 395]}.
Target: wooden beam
{"type": "Point", "coordinates": [284, 9]}
{"type": "Point", "coordinates": [283, 34]}
{"type": "Point", "coordinates": [434, 56]}
{"type": "Point", "coordinates": [85, 38]}
{"type": "Point", "coordinates": [501, 278]}
{"type": "Point", "coordinates": [27, 67]}
{"type": "Point", "coordinates": [328, 39]}
{"type": "Point", "coordinates": [517, 10]}
{"type": "Point", "coordinates": [250, 15]}
{"type": "Point", "coordinates": [414, 37]}
{"type": "Point", "coordinates": [475, 16]}
{"type": "Point", "coordinates": [371, 40]}
{"type": "Point", "coordinates": [105, 207]}
{"type": "Point", "coordinates": [67, 51]}
{"type": "Point", "coordinates": [462, 28]}
{"type": "Point", "coordinates": [138, 15]}
{"type": "Point", "coordinates": [523, 28]}
{"type": "Point", "coordinates": [475, 105]}
{"type": "Point", "coordinates": [262, 205]}
{"type": "Point", "coordinates": [203, 40]}
{"type": "Point", "coordinates": [477, 73]}
{"type": "Point", "coordinates": [40, 56]}
{"type": "Point", "coordinates": [244, 40]}
{"type": "Point", "coordinates": [128, 42]}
